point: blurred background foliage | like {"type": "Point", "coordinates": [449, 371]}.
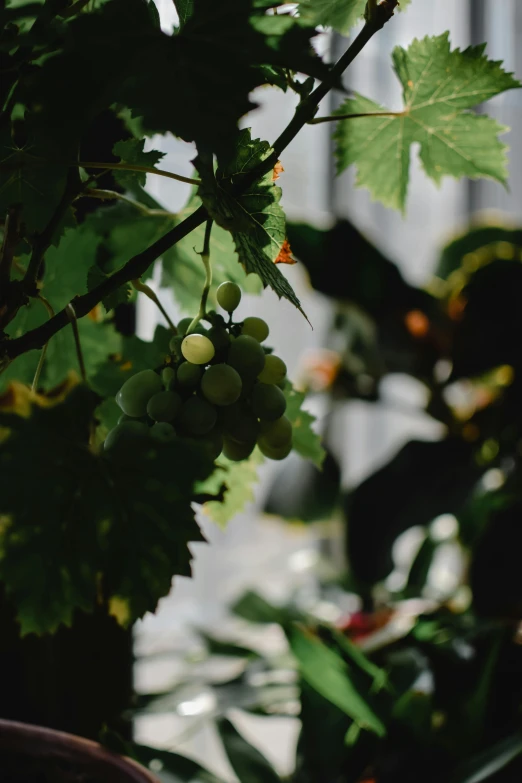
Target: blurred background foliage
{"type": "Point", "coordinates": [421, 681]}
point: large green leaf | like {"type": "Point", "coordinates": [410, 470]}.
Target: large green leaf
{"type": "Point", "coordinates": [341, 15]}
{"type": "Point", "coordinates": [327, 673]}
{"type": "Point", "coordinates": [238, 479]}
{"type": "Point", "coordinates": [119, 514]}
{"type": "Point", "coordinates": [131, 151]}
{"type": "Point", "coordinates": [247, 762]}
{"type": "Point", "coordinates": [440, 85]}
{"type": "Point", "coordinates": [183, 272]}
{"type": "Point", "coordinates": [251, 212]}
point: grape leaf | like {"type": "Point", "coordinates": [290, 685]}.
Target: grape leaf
{"type": "Point", "coordinates": [255, 218]}
{"type": "Point", "coordinates": [306, 442]}
{"type": "Point", "coordinates": [341, 15]}
{"type": "Point", "coordinates": [95, 276]}
{"type": "Point", "coordinates": [183, 272]}
{"type": "Point", "coordinates": [238, 478]}
{"type": "Point", "coordinates": [327, 673]}
{"type": "Point", "coordinates": [131, 151]}
{"type": "Point", "coordinates": [439, 87]}
{"type": "Point", "coordinates": [35, 184]}
{"type": "Point", "coordinates": [116, 514]}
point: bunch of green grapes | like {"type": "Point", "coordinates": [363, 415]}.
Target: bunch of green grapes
{"type": "Point", "coordinates": [219, 385]}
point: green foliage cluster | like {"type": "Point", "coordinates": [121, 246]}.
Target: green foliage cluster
{"type": "Point", "coordinates": [84, 85]}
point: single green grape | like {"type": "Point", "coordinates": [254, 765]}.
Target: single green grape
{"type": "Point", "coordinates": [268, 402]}
{"type": "Point", "coordinates": [276, 434]}
{"type": "Point", "coordinates": [164, 406]}
{"type": "Point", "coordinates": [256, 328]}
{"type": "Point", "coordinates": [184, 325]}
{"type": "Point", "coordinates": [137, 391]}
{"type": "Point", "coordinates": [228, 296]}
{"type": "Point", "coordinates": [274, 370]}
{"type": "Point", "coordinates": [213, 442]}
{"type": "Point", "coordinates": [239, 424]}
{"type": "Point", "coordinates": [163, 431]}
{"type": "Point", "coordinates": [189, 375]}
{"type": "Point", "coordinates": [219, 337]}
{"type": "Point", "coordinates": [125, 432]}
{"type": "Point", "coordinates": [197, 348]}
{"type": "Point", "coordinates": [237, 451]}
{"type": "Point", "coordinates": [221, 384]}
{"type": "Point", "coordinates": [175, 345]}
{"type": "Point", "coordinates": [197, 416]}
{"type": "Point", "coordinates": [124, 417]}
{"type": "Point", "coordinates": [168, 376]}
{"type": "Point", "coordinates": [246, 356]}
{"type": "Point", "coordinates": [276, 453]}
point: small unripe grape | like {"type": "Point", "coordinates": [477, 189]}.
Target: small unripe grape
{"type": "Point", "coordinates": [256, 328]}
{"type": "Point", "coordinates": [198, 349]}
{"type": "Point", "coordinates": [197, 416]}
{"type": "Point", "coordinates": [239, 424]}
{"type": "Point", "coordinates": [237, 451]}
{"type": "Point", "coordinates": [124, 417]}
{"type": "Point", "coordinates": [268, 402]}
{"type": "Point", "coordinates": [213, 442]}
{"type": "Point", "coordinates": [276, 434]}
{"type": "Point", "coordinates": [125, 432]}
{"type": "Point", "coordinates": [168, 376]}
{"type": "Point", "coordinates": [221, 384]}
{"type": "Point", "coordinates": [189, 375]}
{"type": "Point", "coordinates": [164, 406]}
{"type": "Point", "coordinates": [228, 296]}
{"type": "Point", "coordinates": [274, 370]}
{"type": "Point", "coordinates": [163, 431]}
{"type": "Point", "coordinates": [137, 391]}
{"type": "Point", "coordinates": [276, 453]}
{"type": "Point", "coordinates": [246, 356]}
{"type": "Point", "coordinates": [219, 337]}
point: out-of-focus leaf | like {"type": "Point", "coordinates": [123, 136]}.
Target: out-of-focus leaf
{"type": "Point", "coordinates": [421, 482]}
{"type": "Point", "coordinates": [238, 478]}
{"type": "Point", "coordinates": [419, 570]}
{"type": "Point", "coordinates": [256, 609]}
{"type": "Point", "coordinates": [327, 673]}
{"type": "Point", "coordinates": [247, 762]}
{"type": "Point", "coordinates": [302, 492]}
{"type": "Point", "coordinates": [490, 761]}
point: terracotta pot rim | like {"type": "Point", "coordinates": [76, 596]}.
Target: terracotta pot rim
{"type": "Point", "coordinates": [41, 738]}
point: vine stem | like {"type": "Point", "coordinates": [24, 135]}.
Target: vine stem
{"type": "Point", "coordinates": [147, 290]}
{"type": "Point", "coordinates": [131, 167]}
{"type": "Point", "coordinates": [336, 117]}
{"type": "Point", "coordinates": [41, 360]}
{"type": "Point", "coordinates": [205, 257]}
{"type": "Point", "coordinates": [137, 265]}
{"type": "Point", "coordinates": [71, 315]}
